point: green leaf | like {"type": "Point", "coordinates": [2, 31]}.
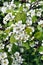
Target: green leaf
{"type": "Point", "coordinates": [1, 50]}
{"type": "Point", "coordinates": [41, 57]}
{"type": "Point", "coordinates": [12, 39]}
{"type": "Point", "coordinates": [10, 60]}
{"type": "Point", "coordinates": [39, 28]}
{"type": "Point", "coordinates": [14, 48]}
{"type": "Point", "coordinates": [37, 35]}
{"type": "Point", "coordinates": [7, 30]}
{"type": "Point", "coordinates": [23, 17]}
{"type": "Point", "coordinates": [20, 16]}
{"type": "Point", "coordinates": [41, 49]}
{"type": "Point", "coordinates": [10, 22]}
{"type": "Point", "coordinates": [34, 19]}
{"type": "Point", "coordinates": [33, 0]}
{"type": "Point", "coordinates": [21, 8]}
{"type": "Point", "coordinates": [26, 45]}
{"type": "Point", "coordinates": [28, 30]}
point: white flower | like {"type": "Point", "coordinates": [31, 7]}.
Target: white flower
{"type": "Point", "coordinates": [28, 5]}
{"type": "Point", "coordinates": [5, 4]}
{"type": "Point", "coordinates": [1, 46]}
{"type": "Point", "coordinates": [9, 47]}
{"type": "Point", "coordinates": [32, 29]}
{"type": "Point", "coordinates": [36, 42]}
{"type": "Point", "coordinates": [21, 50]}
{"type": "Point", "coordinates": [38, 13]}
{"type": "Point", "coordinates": [29, 1]}
{"type": "Point", "coordinates": [9, 5]}
{"type": "Point", "coordinates": [3, 55]}
{"type": "Point", "coordinates": [4, 62]}
{"type": "Point", "coordinates": [42, 43]}
{"type": "Point", "coordinates": [32, 38]}
{"type": "Point", "coordinates": [40, 2]}
{"type": "Point", "coordinates": [12, 1]}
{"type": "Point", "coordinates": [3, 9]}
{"type": "Point", "coordinates": [24, 9]}
{"type": "Point", "coordinates": [19, 5]}
{"type": "Point", "coordinates": [19, 31]}
{"type": "Point", "coordinates": [0, 55]}
{"type": "Point", "coordinates": [12, 6]}
{"type": "Point", "coordinates": [17, 60]}
{"type": "Point", "coordinates": [16, 54]}
{"type": "Point", "coordinates": [41, 52]}
{"type": "Point", "coordinates": [40, 22]}
{"type": "Point", "coordinates": [32, 12]}
{"type": "Point", "coordinates": [28, 13]}
{"type": "Point", "coordinates": [10, 34]}
{"type": "Point", "coordinates": [4, 22]}
{"type": "Point", "coordinates": [29, 21]}
{"type": "Point", "coordinates": [32, 45]}
{"type": "Point", "coordinates": [8, 17]}
{"type": "Point", "coordinates": [19, 43]}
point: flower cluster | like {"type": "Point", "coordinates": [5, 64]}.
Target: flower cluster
{"type": "Point", "coordinates": [7, 5]}
{"type": "Point", "coordinates": [17, 59]}
{"type": "Point", "coordinates": [7, 18]}
{"type": "Point", "coordinates": [21, 32]}
{"type": "Point", "coordinates": [3, 58]}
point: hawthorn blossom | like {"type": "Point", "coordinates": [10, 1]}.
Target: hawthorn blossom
{"type": "Point", "coordinates": [9, 47]}
{"type": "Point", "coordinates": [18, 60]}
{"type": "Point", "coordinates": [40, 22]}
{"type": "Point", "coordinates": [1, 46]}
{"type": "Point", "coordinates": [19, 32]}
{"type": "Point", "coordinates": [3, 55]}
{"type": "Point", "coordinates": [8, 17]}
{"type": "Point", "coordinates": [4, 62]}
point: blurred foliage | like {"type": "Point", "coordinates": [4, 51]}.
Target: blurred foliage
{"type": "Point", "coordinates": [30, 54]}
